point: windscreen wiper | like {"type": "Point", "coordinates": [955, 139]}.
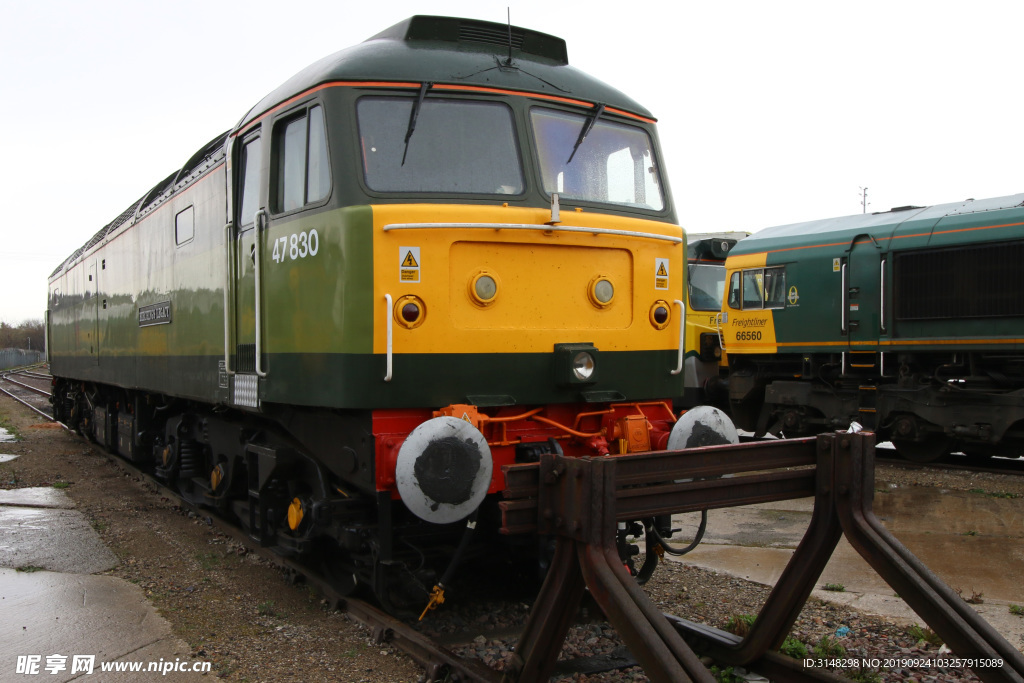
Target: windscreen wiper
{"type": "Point", "coordinates": [415, 114]}
{"type": "Point", "coordinates": [585, 131]}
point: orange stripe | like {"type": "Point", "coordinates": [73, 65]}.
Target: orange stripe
{"type": "Point", "coordinates": [439, 86]}
{"type": "Point", "coordinates": [904, 342]}
{"type": "Point", "coordinates": [897, 237]}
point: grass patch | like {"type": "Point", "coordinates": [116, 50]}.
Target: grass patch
{"type": "Point", "coordinates": [863, 675]}
{"type": "Point", "coordinates": [725, 675]}
{"type": "Point", "coordinates": [829, 648]}
{"type": "Point", "coordinates": [924, 635]}
{"type": "Point", "coordinates": [835, 587]}
{"type": "Point", "coordinates": [1017, 610]}
{"type": "Point", "coordinates": [5, 423]}
{"type": "Point", "coordinates": [266, 609]}
{"type": "Point", "coordinates": [792, 647]}
{"type": "Point", "coordinates": [61, 484]}
{"type": "Point", "coordinates": [740, 624]}
{"type": "Point", "coordinates": [209, 561]}
{"type": "Point", "coordinates": [29, 568]}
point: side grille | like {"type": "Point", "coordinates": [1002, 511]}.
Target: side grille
{"type": "Point", "coordinates": [985, 281]}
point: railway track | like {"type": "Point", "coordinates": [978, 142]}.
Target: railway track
{"type": "Point", "coordinates": [29, 387]}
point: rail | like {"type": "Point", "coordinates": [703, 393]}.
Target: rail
{"type": "Point", "coordinates": [581, 500]}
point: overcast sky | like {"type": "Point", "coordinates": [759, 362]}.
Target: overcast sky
{"type": "Point", "coordinates": [769, 112]}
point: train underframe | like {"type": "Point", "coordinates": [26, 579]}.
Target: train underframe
{"type": "Point", "coordinates": [318, 484]}
{"type": "Point", "coordinates": [927, 404]}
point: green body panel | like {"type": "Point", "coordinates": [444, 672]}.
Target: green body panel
{"type": "Point", "coordinates": [357, 381]}
{"type": "Point", "coordinates": [322, 303]}
{"type": "Point", "coordinates": [95, 326]}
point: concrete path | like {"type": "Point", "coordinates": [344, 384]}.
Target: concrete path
{"type": "Point", "coordinates": [57, 612]}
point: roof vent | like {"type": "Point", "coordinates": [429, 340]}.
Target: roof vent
{"type": "Point", "coordinates": [478, 35]}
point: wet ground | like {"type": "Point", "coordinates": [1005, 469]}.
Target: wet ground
{"type": "Point", "coordinates": [55, 607]}
{"type": "Point", "coordinates": [972, 538]}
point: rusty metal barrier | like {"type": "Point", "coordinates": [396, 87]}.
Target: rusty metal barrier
{"type": "Point", "coordinates": [581, 500]}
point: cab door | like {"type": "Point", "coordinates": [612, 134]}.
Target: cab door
{"type": "Point", "coordinates": [246, 311]}
{"type": "Point", "coordinates": [863, 294]}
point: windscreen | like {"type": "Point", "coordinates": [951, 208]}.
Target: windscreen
{"type": "Point", "coordinates": [612, 164]}
{"type": "Point", "coordinates": [450, 146]}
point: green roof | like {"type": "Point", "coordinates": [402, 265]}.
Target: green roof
{"type": "Point", "coordinates": [455, 51]}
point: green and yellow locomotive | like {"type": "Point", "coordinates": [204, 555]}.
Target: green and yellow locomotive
{"type": "Point", "coordinates": [706, 365]}
{"type": "Point", "coordinates": [909, 322]}
{"type": "Point", "coordinates": [430, 255]}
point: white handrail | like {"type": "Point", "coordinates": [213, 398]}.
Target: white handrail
{"type": "Point", "coordinates": [228, 242]}
{"type": "Point", "coordinates": [531, 226]}
{"type": "Point", "coordinates": [259, 288]}
{"type": "Point", "coordinates": [682, 336]}
{"type": "Point", "coordinates": [390, 341]}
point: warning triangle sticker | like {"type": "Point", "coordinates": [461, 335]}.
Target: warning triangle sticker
{"type": "Point", "coordinates": [465, 418]}
{"type": "Point", "coordinates": [409, 261]}
{"type": "Point", "coordinates": [662, 271]}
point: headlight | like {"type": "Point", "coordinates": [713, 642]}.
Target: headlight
{"type": "Point", "coordinates": [583, 366]}
{"type": "Point", "coordinates": [576, 364]}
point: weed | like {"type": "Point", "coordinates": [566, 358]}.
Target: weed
{"type": "Point", "coordinates": [834, 587]}
{"type": "Point", "coordinates": [975, 598]}
{"type": "Point", "coordinates": [5, 423]}
{"type": "Point", "coordinates": [209, 560]}
{"type": "Point", "coordinates": [725, 675]}
{"type": "Point", "coordinates": [1017, 610]}
{"type": "Point", "coordinates": [792, 647]}
{"type": "Point", "coordinates": [266, 609]}
{"type": "Point", "coordinates": [862, 675]}
{"type": "Point", "coordinates": [28, 569]}
{"type": "Point", "coordinates": [829, 648]}
{"type": "Point", "coordinates": [61, 484]}
{"type": "Point", "coordinates": [99, 525]}
{"type": "Point", "coordinates": [969, 533]}
{"type": "Point", "coordinates": [924, 634]}
{"type": "Point", "coordinates": [740, 624]}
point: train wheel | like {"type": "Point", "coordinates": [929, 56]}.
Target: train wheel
{"type": "Point", "coordinates": [929, 450]}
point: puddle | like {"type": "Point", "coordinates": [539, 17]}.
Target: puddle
{"type": "Point", "coordinates": [7, 458]}
{"type": "Point", "coordinates": [973, 542]}
{"type": "Point", "coordinates": [6, 436]}
{"type": "Point", "coordinates": [55, 539]}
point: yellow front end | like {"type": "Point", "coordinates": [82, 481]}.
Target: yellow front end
{"type": "Point", "coordinates": [522, 288]}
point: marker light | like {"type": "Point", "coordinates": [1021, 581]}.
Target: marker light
{"type": "Point", "coordinates": [410, 311]}
{"type": "Point", "coordinates": [660, 314]}
{"type": "Point", "coordinates": [601, 291]}
{"type": "Point", "coordinates": [483, 288]}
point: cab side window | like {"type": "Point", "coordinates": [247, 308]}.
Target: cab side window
{"type": "Point", "coordinates": [301, 170]}
{"type": "Point", "coordinates": [249, 181]}
{"type": "Point", "coordinates": [757, 288]}
{"type": "Point", "coordinates": [734, 290]}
